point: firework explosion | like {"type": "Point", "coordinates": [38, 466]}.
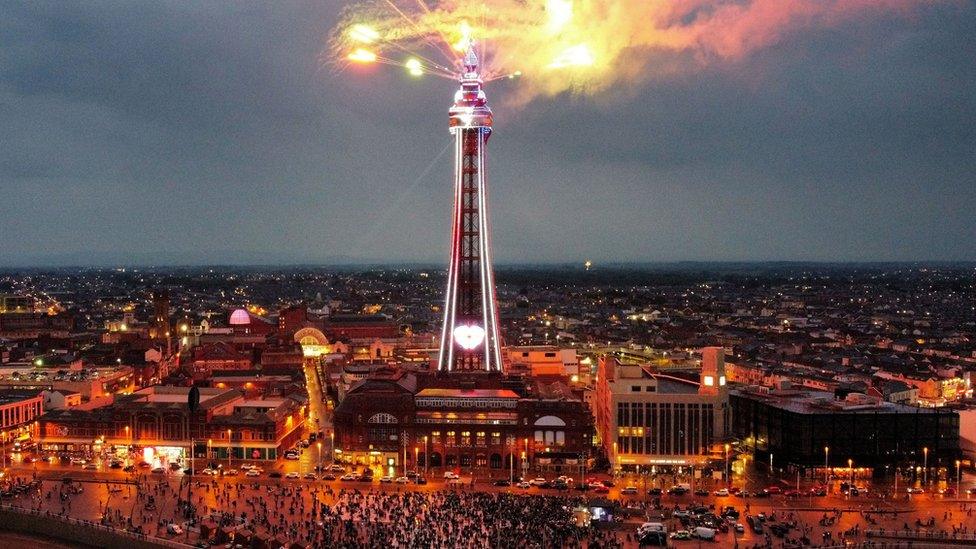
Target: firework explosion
{"type": "Point", "coordinates": [578, 45]}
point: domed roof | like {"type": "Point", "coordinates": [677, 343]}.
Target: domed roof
{"type": "Point", "coordinates": [240, 317]}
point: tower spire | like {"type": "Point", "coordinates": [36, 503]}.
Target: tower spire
{"type": "Point", "coordinates": [470, 339]}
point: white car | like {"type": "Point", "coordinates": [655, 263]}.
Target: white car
{"type": "Point", "coordinates": [77, 461]}
{"type": "Point", "coordinates": [722, 492]}
{"type": "Point", "coordinates": [349, 476]}
{"type": "Point", "coordinates": [401, 480]}
{"type": "Point", "coordinates": [209, 471]}
{"type": "Point", "coordinates": [291, 455]}
{"type": "Point", "coordinates": [629, 491]}
{"type": "Point", "coordinates": [538, 481]}
{"type": "Point", "coordinates": [336, 468]}
{"type": "Point", "coordinates": [252, 473]}
{"type": "Point", "coordinates": [450, 475]}
{"type": "Point", "coordinates": [292, 474]}
{"type": "Point", "coordinates": [523, 485]}
{"type": "Point", "coordinates": [386, 479]}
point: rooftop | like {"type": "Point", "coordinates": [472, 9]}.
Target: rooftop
{"type": "Point", "coordinates": [822, 402]}
{"type": "Point", "coordinates": [468, 393]}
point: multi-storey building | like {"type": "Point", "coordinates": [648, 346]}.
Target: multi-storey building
{"type": "Point", "coordinates": [227, 425]}
{"type": "Point", "coordinates": [649, 418]}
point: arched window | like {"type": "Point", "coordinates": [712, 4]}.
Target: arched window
{"type": "Point", "coordinates": [382, 418]}
{"type": "Point", "coordinates": [550, 421]}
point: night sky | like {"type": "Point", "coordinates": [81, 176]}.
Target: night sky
{"type": "Point", "coordinates": [210, 132]}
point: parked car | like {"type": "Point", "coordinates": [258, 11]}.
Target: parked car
{"type": "Point", "coordinates": [158, 470]}
{"type": "Point", "coordinates": [348, 476]}
{"type": "Point", "coordinates": [722, 492]}
{"type": "Point", "coordinates": [402, 480]}
{"type": "Point", "coordinates": [292, 474]}
{"type": "Point", "coordinates": [252, 473]}
{"type": "Point", "coordinates": [448, 475]}
{"type": "Point", "coordinates": [629, 491]}
{"type": "Point", "coordinates": [502, 482]}
{"type": "Point", "coordinates": [386, 479]}
{"type": "Point", "coordinates": [310, 476]}
{"type": "Point", "coordinates": [538, 481]}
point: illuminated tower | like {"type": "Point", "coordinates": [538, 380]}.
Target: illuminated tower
{"type": "Point", "coordinates": [469, 337]}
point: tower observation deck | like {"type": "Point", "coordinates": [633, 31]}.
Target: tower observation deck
{"type": "Point", "coordinates": [470, 340]}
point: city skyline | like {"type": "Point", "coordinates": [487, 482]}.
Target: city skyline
{"type": "Point", "coordinates": [175, 135]}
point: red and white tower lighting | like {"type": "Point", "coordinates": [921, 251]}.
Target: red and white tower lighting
{"type": "Point", "coordinates": [470, 340]}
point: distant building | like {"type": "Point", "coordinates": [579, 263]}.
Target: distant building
{"type": "Point", "coordinates": [16, 304]}
{"type": "Point", "coordinates": [646, 417]}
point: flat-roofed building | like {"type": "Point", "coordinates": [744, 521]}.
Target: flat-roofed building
{"type": "Point", "coordinates": [805, 428]}
{"type": "Point", "coordinates": [646, 417]}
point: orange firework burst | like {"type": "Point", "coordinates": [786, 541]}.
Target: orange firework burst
{"type": "Point", "coordinates": [579, 45]}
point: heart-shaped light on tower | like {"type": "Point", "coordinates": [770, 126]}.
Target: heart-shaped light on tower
{"type": "Point", "coordinates": [469, 336]}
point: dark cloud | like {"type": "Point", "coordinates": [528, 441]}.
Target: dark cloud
{"type": "Point", "coordinates": [214, 131]}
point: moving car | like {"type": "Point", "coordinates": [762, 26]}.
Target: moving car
{"type": "Point", "coordinates": [538, 481]}
{"type": "Point", "coordinates": [402, 480]}
{"type": "Point", "coordinates": [292, 474]}
{"type": "Point", "coordinates": [310, 476]}
{"type": "Point", "coordinates": [449, 475]}
{"type": "Point", "coordinates": [386, 479]}
{"type": "Point", "coordinates": [502, 482]}
{"type": "Point", "coordinates": [722, 492]}
{"type": "Point", "coordinates": [629, 491]}
{"type": "Point", "coordinates": [349, 476]}
{"type": "Point", "coordinates": [252, 473]}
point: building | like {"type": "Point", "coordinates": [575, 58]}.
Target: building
{"type": "Point", "coordinates": [645, 417]}
{"type": "Point", "coordinates": [18, 410]}
{"type": "Point", "coordinates": [808, 428]}
{"type": "Point", "coordinates": [466, 412]}
{"type": "Point", "coordinates": [157, 424]}
{"type": "Point", "coordinates": [393, 417]}
{"type": "Point", "coordinates": [544, 360]}
{"type": "Point", "coordinates": [34, 325]}
{"type": "Point", "coordinates": [16, 304]}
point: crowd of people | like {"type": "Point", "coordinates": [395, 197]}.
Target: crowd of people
{"type": "Point", "coordinates": [324, 515]}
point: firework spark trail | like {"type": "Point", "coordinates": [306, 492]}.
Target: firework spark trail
{"type": "Point", "coordinates": [589, 45]}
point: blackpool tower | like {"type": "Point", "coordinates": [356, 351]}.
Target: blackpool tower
{"type": "Point", "coordinates": [470, 340]}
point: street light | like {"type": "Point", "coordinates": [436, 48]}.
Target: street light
{"type": "Point", "coordinates": [209, 451]}
{"type": "Point", "coordinates": [319, 446]}
{"type": "Point", "coordinates": [426, 456]}
{"type": "Point", "coordinates": [332, 446]}
{"type": "Point", "coordinates": [925, 466]}
{"type": "Point", "coordinates": [850, 465]}
{"type": "Point", "coordinates": [958, 476]}
{"type": "Point", "coordinates": [727, 474]}
{"type": "Point", "coordinates": [230, 450]}
{"type": "Point", "coordinates": [613, 460]}
{"type": "Point", "coordinates": [826, 465]}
